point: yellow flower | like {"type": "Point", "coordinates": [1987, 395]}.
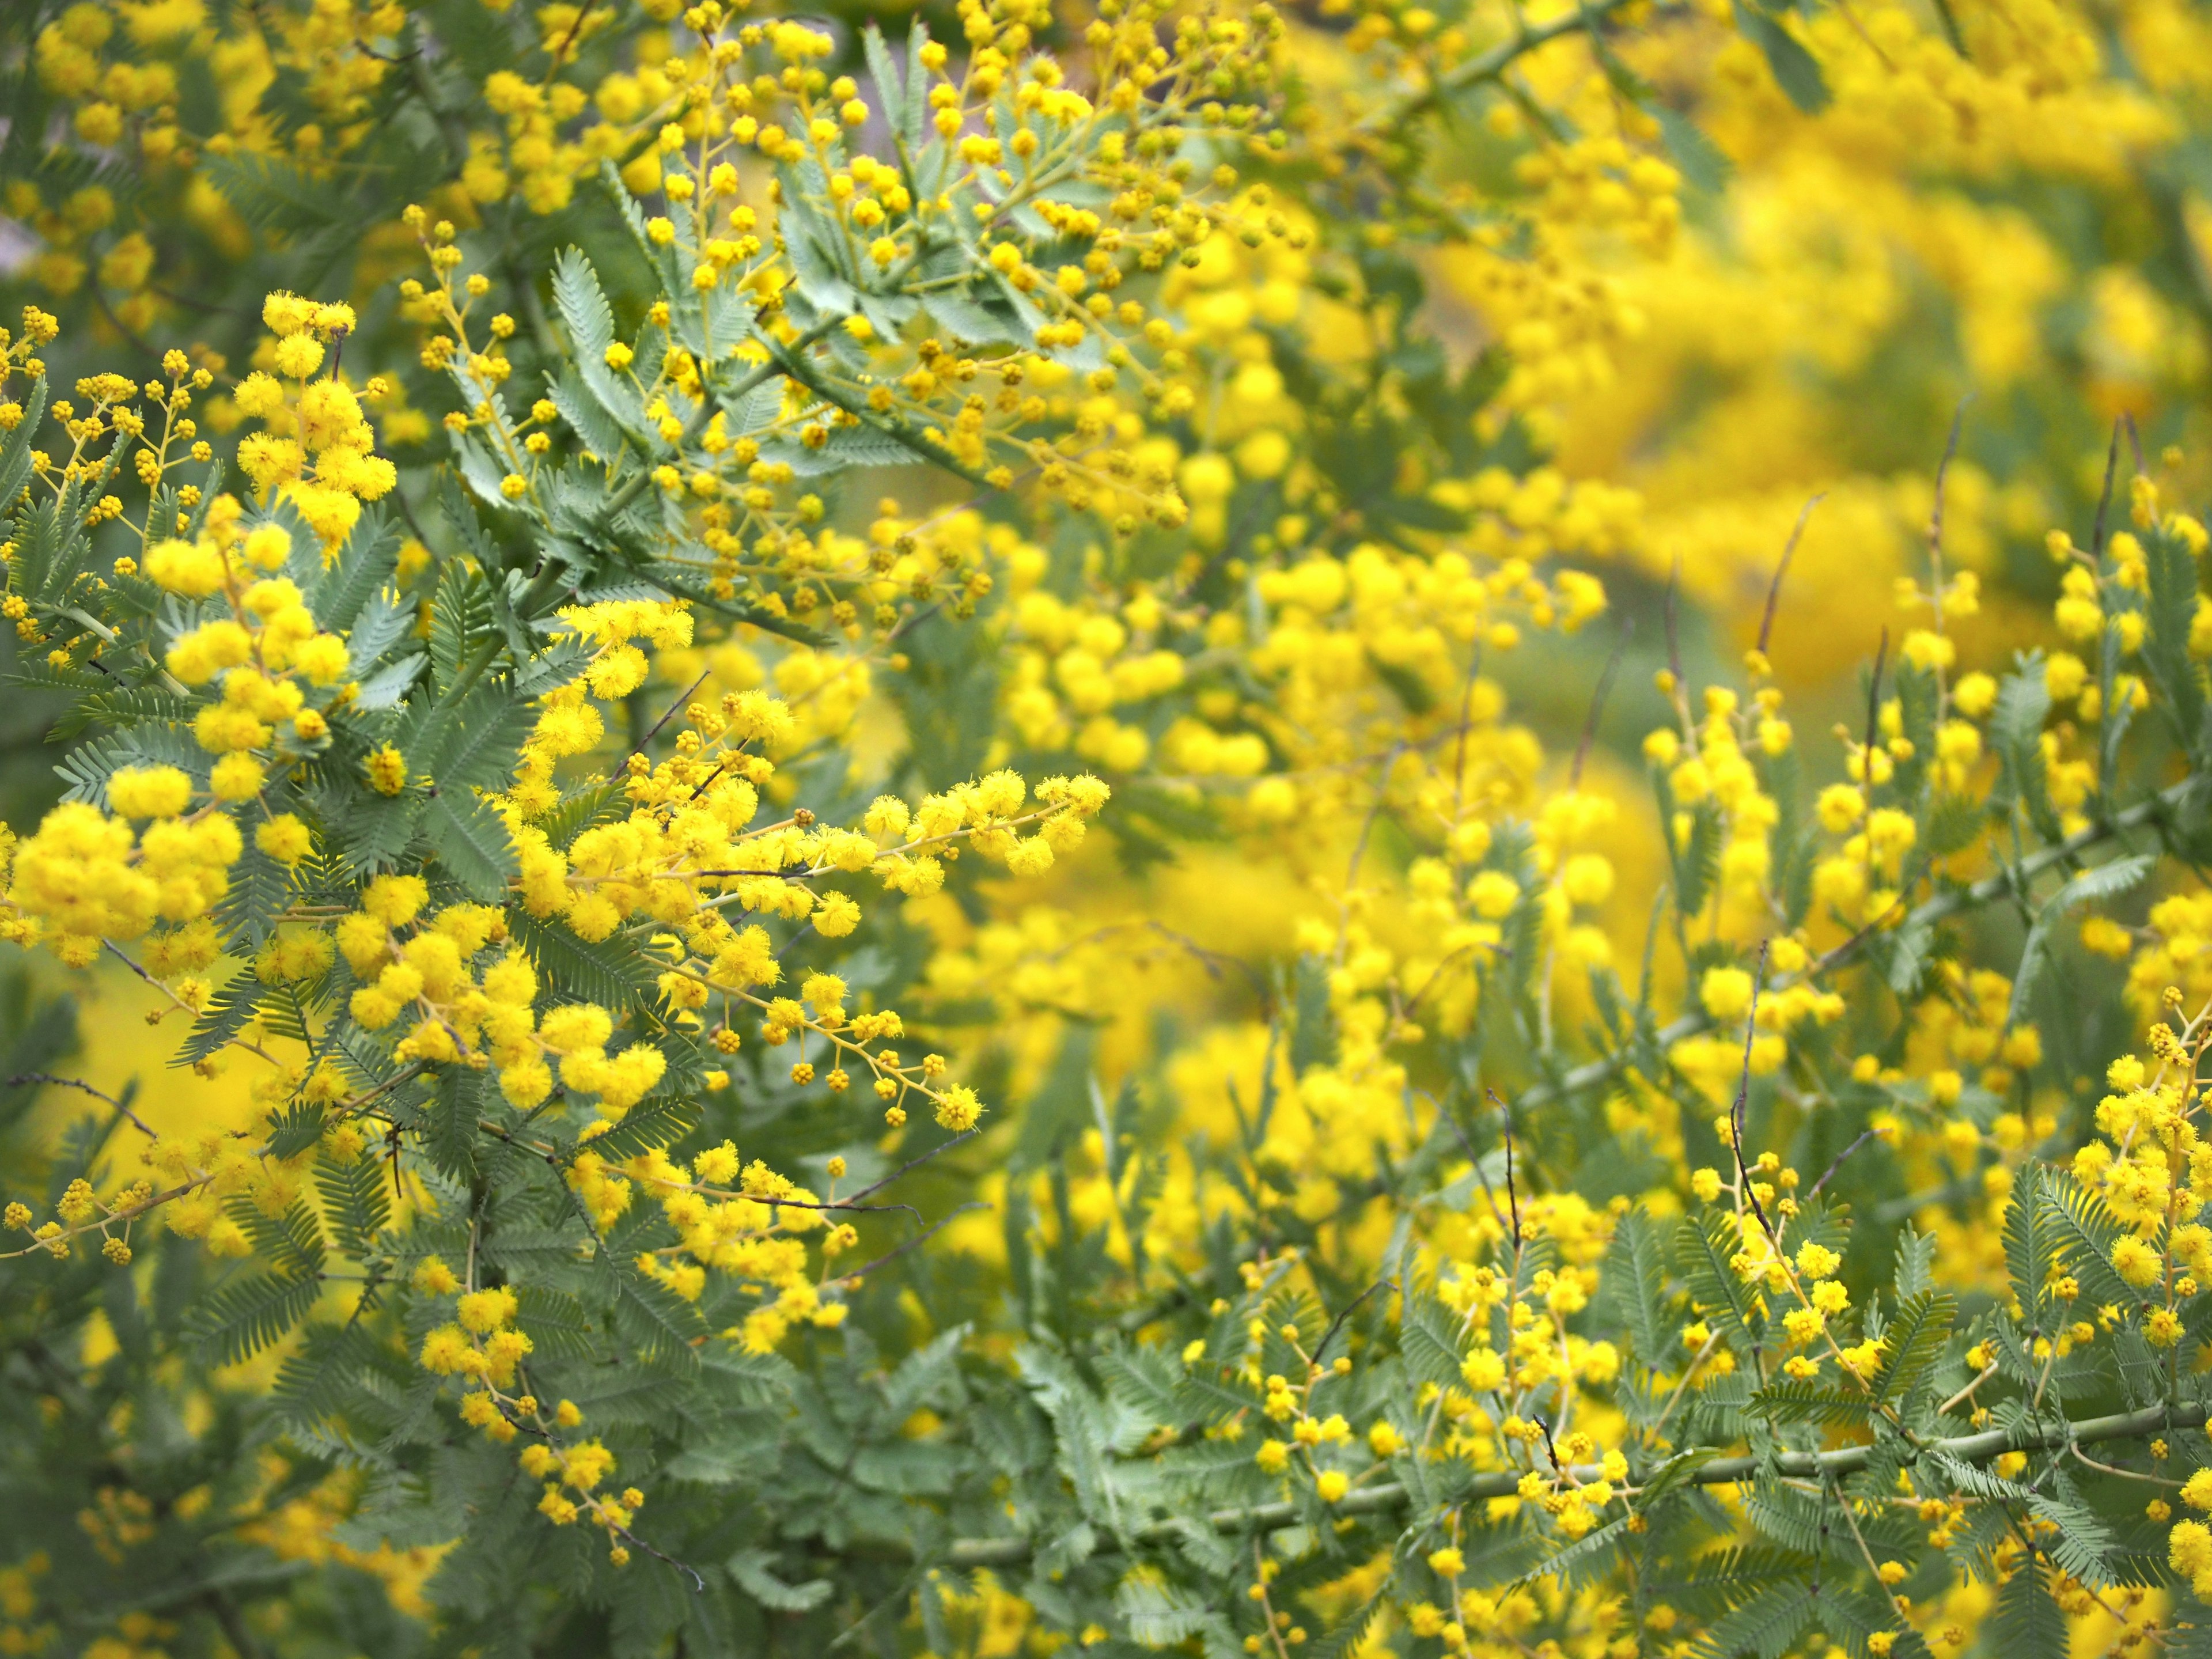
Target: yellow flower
{"type": "Point", "coordinates": [387, 770]}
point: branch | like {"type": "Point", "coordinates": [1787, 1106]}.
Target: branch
{"type": "Point", "coordinates": [1490, 65]}
{"type": "Point", "coordinates": [122, 1107]}
{"type": "Point", "coordinates": [1941, 908]}
{"type": "Point", "coordinates": [921, 1237]}
{"type": "Point", "coordinates": [1719, 1471]}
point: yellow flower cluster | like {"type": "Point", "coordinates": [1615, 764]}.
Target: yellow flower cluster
{"type": "Point", "coordinates": [1289, 499]}
{"type": "Point", "coordinates": [315, 447]}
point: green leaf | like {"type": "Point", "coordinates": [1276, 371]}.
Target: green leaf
{"type": "Point", "coordinates": [270, 194]}
{"type": "Point", "coordinates": [890, 90]}
{"type": "Point", "coordinates": [1766, 1624]}
{"type": "Point", "coordinates": [259, 891]}
{"type": "Point", "coordinates": [1352, 1634]}
{"type": "Point", "coordinates": [736, 1452]}
{"type": "Point", "coordinates": [584, 808]}
{"type": "Point", "coordinates": [617, 980]}
{"type": "Point", "coordinates": [1428, 1338]}
{"type": "Point", "coordinates": [2084, 1228]}
{"type": "Point", "coordinates": [915, 134]}
{"type": "Point", "coordinates": [659, 1122]}
{"type": "Point", "coordinates": [1728, 1577]}
{"type": "Point", "coordinates": [2170, 613]}
{"type": "Point", "coordinates": [2106, 881]}
{"type": "Point", "coordinates": [583, 305]}
{"type": "Point", "coordinates": [556, 1323]}
{"type": "Point", "coordinates": [2028, 1623]}
{"type": "Point", "coordinates": [656, 1321]}
{"type": "Point", "coordinates": [240, 1319]}
{"type": "Point", "coordinates": [1913, 1341]}
{"type": "Point", "coordinates": [1160, 1613]}
{"type": "Point", "coordinates": [294, 1127]}
{"type": "Point", "coordinates": [39, 540]}
{"type": "Point", "coordinates": [460, 617]}
{"type": "Point", "coordinates": [591, 324]}
{"type": "Point", "coordinates": [1086, 1434]}
{"type": "Point", "coordinates": [2083, 1540]}
{"type": "Point", "coordinates": [750, 1568]}
{"type": "Point", "coordinates": [1702, 1251]}
{"type": "Point", "coordinates": [811, 245]}
{"type": "Point", "coordinates": [2031, 1249]}
{"type": "Point", "coordinates": [373, 830]}
{"type": "Point", "coordinates": [468, 742]}
{"type": "Point", "coordinates": [472, 843]}
{"type": "Point", "coordinates": [380, 622]}
{"type": "Point", "coordinates": [1697, 865]}
{"type": "Point", "coordinates": [1916, 1260]}
{"type": "Point", "coordinates": [355, 1201]}
{"type": "Point", "coordinates": [1705, 166]}
{"type": "Point", "coordinates": [385, 688]}
{"type": "Point", "coordinates": [312, 1381]}
{"type": "Point", "coordinates": [1636, 1275]}
{"type": "Point", "coordinates": [15, 447]}
{"type": "Point", "coordinates": [1796, 71]}
{"type": "Point", "coordinates": [86, 768]}
{"type": "Point", "coordinates": [365, 562]}
{"type": "Point", "coordinates": [1582, 1560]}
{"type": "Point", "coordinates": [451, 1137]}
{"type": "Point", "coordinates": [292, 1239]}
{"type": "Point", "coordinates": [2016, 736]}
{"type": "Point", "coordinates": [1791, 1400]}
{"type": "Point", "coordinates": [587, 415]}
{"type": "Point", "coordinates": [223, 1018]}
{"type": "Point", "coordinates": [1313, 1037]}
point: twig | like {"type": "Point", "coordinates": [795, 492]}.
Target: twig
{"type": "Point", "coordinates": [1597, 700]}
{"type": "Point", "coordinates": [1865, 1135]}
{"type": "Point", "coordinates": [1943, 472]}
{"type": "Point", "coordinates": [642, 743]}
{"type": "Point", "coordinates": [1978, 1448]}
{"type": "Point", "coordinates": [1711, 1341]}
{"type": "Point", "coordinates": [1512, 1197]}
{"type": "Point", "coordinates": [1788, 552]}
{"type": "Point", "coordinates": [1743, 1095]}
{"type": "Point", "coordinates": [1489, 66]}
{"type": "Point", "coordinates": [698, 1584]}
{"type": "Point", "coordinates": [1474, 1162]}
{"type": "Point", "coordinates": [1209, 960]}
{"type": "Point", "coordinates": [1550, 1449]}
{"type": "Point", "coordinates": [1967, 1393]}
{"type": "Point", "coordinates": [79, 1083]}
{"type": "Point", "coordinates": [568, 39]}
{"type": "Point", "coordinates": [130, 334]}
{"type": "Point", "coordinates": [1337, 1323]}
{"type": "Point", "coordinates": [1873, 712]}
{"type": "Point", "coordinates": [913, 1163]}
{"type": "Point", "coordinates": [2125, 1475]}
{"type": "Point", "coordinates": [919, 1238]}
{"type": "Point", "coordinates": [834, 1204]}
{"type": "Point", "coordinates": [2104, 499]}
{"type": "Point", "coordinates": [1674, 638]}
{"type": "Point", "coordinates": [1896, 1608]}
{"type": "Point", "coordinates": [178, 1002]}
{"type": "Point", "coordinates": [1459, 753]}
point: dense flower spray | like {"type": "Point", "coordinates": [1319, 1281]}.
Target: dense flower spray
{"type": "Point", "coordinates": [1152, 827]}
